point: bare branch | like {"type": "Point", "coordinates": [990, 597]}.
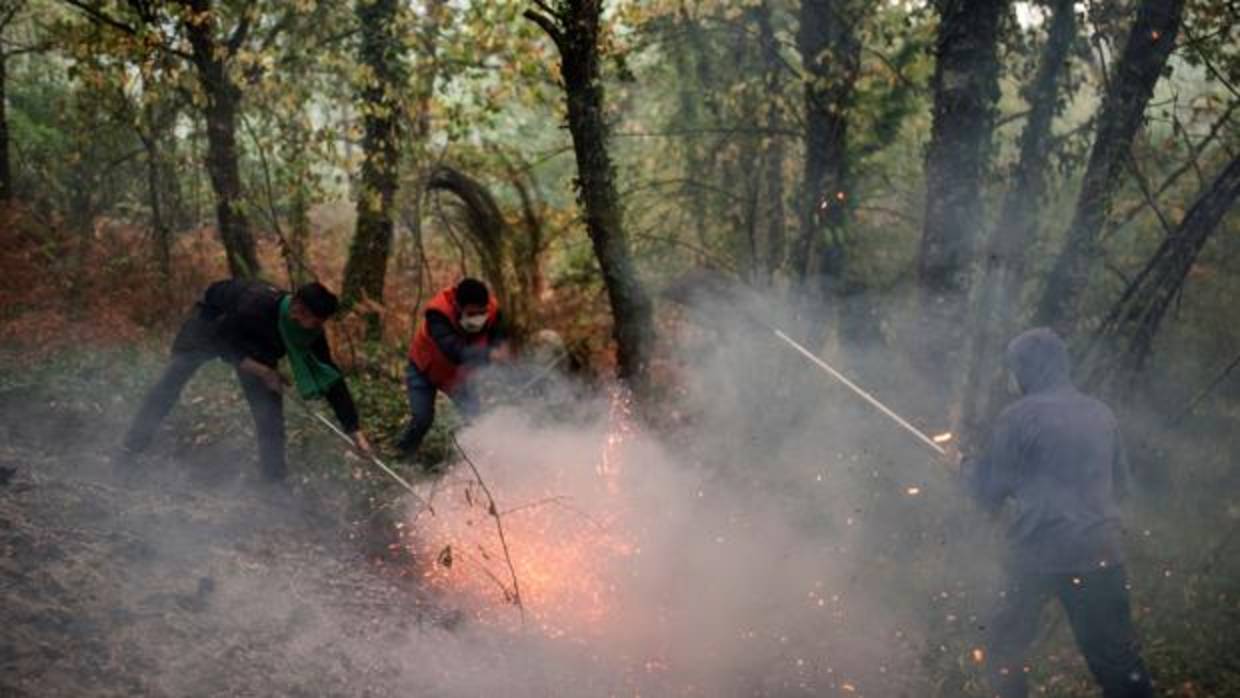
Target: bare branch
{"type": "Point", "coordinates": [493, 511]}
{"type": "Point", "coordinates": [101, 17]}
{"type": "Point", "coordinates": [104, 19]}
{"type": "Point", "coordinates": [1150, 201]}
{"type": "Point", "coordinates": [10, 14]}
{"type": "Point", "coordinates": [240, 33]}
{"type": "Point", "coordinates": [547, 24]}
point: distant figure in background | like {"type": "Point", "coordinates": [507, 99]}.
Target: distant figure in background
{"type": "Point", "coordinates": [460, 332]}
{"type": "Point", "coordinates": [251, 325]}
{"type": "Point", "coordinates": [1056, 455]}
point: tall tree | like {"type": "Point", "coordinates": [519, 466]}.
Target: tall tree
{"type": "Point", "coordinates": [771, 254]}
{"type": "Point", "coordinates": [382, 54]}
{"type": "Point", "coordinates": [1143, 60]}
{"type": "Point", "coordinates": [573, 26]}
{"type": "Point", "coordinates": [6, 172]}
{"type": "Point", "coordinates": [831, 58]}
{"type": "Point", "coordinates": [966, 88]}
{"type": "Point", "coordinates": [1004, 262]}
{"type": "Point", "coordinates": [9, 10]}
{"type": "Point", "coordinates": [210, 55]}
{"type": "Point", "coordinates": [215, 32]}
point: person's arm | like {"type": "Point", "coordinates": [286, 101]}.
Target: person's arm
{"type": "Point", "coordinates": [988, 479]}
{"type": "Point", "coordinates": [341, 400]}
{"type": "Point", "coordinates": [451, 342]}
{"type": "Point", "coordinates": [338, 395]}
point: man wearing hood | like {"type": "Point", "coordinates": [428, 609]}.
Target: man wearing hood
{"type": "Point", "coordinates": [1056, 456]}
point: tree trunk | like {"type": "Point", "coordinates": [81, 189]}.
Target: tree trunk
{"type": "Point", "coordinates": [830, 56]}
{"type": "Point", "coordinates": [687, 55]}
{"type": "Point", "coordinates": [159, 223]}
{"type": "Point", "coordinates": [1142, 62]}
{"type": "Point", "coordinates": [6, 173]}
{"type": "Point", "coordinates": [223, 102]}
{"type": "Point", "coordinates": [1139, 313]}
{"type": "Point", "coordinates": [295, 258]}
{"type": "Point", "coordinates": [966, 88]}
{"type": "Point", "coordinates": [998, 305]}
{"type": "Point", "coordinates": [382, 52]}
{"type": "Point", "coordinates": [526, 253]}
{"type": "Point", "coordinates": [772, 199]}
{"type": "Point", "coordinates": [575, 31]}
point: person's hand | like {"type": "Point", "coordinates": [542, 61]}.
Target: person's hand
{"type": "Point", "coordinates": [952, 458]}
{"type": "Point", "coordinates": [361, 443]}
{"type": "Point", "coordinates": [274, 380]}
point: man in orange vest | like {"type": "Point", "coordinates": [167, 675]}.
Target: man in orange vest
{"type": "Point", "coordinates": [460, 331]}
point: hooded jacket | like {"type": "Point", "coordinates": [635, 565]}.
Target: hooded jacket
{"type": "Point", "coordinates": [1056, 455]}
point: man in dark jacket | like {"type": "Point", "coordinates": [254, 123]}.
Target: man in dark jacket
{"type": "Point", "coordinates": [252, 325]}
{"type": "Point", "coordinates": [1055, 455]}
{"type": "Point", "coordinates": [461, 330]}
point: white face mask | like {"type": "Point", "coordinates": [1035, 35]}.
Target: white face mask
{"type": "Point", "coordinates": [473, 323]}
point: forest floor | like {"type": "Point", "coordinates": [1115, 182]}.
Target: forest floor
{"type": "Point", "coordinates": [188, 577]}
{"type": "Point", "coordinates": [183, 579]}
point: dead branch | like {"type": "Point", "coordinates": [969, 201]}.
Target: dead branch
{"type": "Point", "coordinates": [493, 512]}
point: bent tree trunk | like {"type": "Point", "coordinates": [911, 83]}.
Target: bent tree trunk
{"type": "Point", "coordinates": [1145, 54]}
{"type": "Point", "coordinates": [966, 88]}
{"type": "Point", "coordinates": [1004, 263]}
{"type": "Point", "coordinates": [485, 226]}
{"type": "Point", "coordinates": [1143, 306]}
{"type": "Point", "coordinates": [574, 27]}
{"type": "Point", "coordinates": [381, 52]}
{"type": "Point", "coordinates": [223, 102]}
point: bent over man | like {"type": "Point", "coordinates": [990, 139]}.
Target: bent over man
{"type": "Point", "coordinates": [459, 332]}
{"type": "Point", "coordinates": [1056, 455]}
{"type": "Point", "coordinates": [252, 325]}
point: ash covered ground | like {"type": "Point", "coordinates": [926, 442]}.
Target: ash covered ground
{"type": "Point", "coordinates": [182, 581]}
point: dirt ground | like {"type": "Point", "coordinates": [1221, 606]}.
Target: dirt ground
{"type": "Point", "coordinates": [185, 579]}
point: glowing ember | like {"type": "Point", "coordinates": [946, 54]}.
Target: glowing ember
{"type": "Point", "coordinates": [978, 655]}
{"type": "Point", "coordinates": [913, 491]}
{"type": "Point", "coordinates": [943, 438]}
{"type": "Point", "coordinates": [563, 556]}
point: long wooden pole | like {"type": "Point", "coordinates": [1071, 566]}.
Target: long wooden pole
{"type": "Point", "coordinates": [858, 390]}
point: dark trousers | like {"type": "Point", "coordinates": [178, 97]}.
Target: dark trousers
{"type": "Point", "coordinates": [266, 406]}
{"type": "Point", "coordinates": [422, 408]}
{"type": "Point", "coordinates": [1097, 607]}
